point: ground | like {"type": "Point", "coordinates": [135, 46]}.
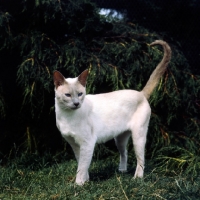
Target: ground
{"type": "Point", "coordinates": [46, 177]}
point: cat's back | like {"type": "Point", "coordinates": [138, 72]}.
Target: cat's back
{"type": "Point", "coordinates": [117, 96]}
{"type": "Point", "coordinates": [120, 99]}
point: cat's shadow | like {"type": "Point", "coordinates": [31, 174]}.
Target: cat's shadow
{"type": "Point", "coordinates": [107, 171]}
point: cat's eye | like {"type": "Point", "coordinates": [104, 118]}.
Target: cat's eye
{"type": "Point", "coordinates": [80, 94]}
{"type": "Point", "coordinates": [68, 95]}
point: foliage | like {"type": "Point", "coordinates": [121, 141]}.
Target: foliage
{"type": "Point", "coordinates": [47, 177]}
{"type": "Point", "coordinates": [37, 37]}
{"type": "Point", "coordinates": [172, 19]}
{"type": "Point", "coordinates": [180, 160]}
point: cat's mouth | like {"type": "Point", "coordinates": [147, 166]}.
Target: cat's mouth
{"type": "Point", "coordinates": [75, 107]}
{"type": "Point", "coordinates": [65, 107]}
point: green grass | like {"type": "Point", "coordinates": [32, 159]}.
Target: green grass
{"type": "Point", "coordinates": [36, 177]}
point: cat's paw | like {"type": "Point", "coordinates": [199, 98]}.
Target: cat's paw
{"type": "Point", "coordinates": [122, 170]}
{"type": "Point", "coordinates": [81, 183]}
{"type": "Point", "coordinates": [122, 167]}
{"type": "Point", "coordinates": [80, 180]}
{"type": "Point", "coordinates": [139, 171]}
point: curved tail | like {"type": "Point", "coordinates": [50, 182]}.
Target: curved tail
{"type": "Point", "coordinates": [159, 70]}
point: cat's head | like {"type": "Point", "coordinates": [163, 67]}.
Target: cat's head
{"type": "Point", "coordinates": [70, 92]}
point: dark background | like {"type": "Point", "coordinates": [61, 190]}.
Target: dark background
{"type": "Point", "coordinates": [177, 22]}
{"type": "Point", "coordinates": [177, 19]}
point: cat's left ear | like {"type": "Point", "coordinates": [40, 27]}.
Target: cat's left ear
{"type": "Point", "coordinates": [82, 78]}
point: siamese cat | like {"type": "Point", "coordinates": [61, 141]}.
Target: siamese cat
{"type": "Point", "coordinates": [85, 120]}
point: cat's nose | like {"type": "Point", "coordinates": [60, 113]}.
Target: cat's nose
{"type": "Point", "coordinates": [76, 104]}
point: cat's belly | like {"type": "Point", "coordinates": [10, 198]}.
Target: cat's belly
{"type": "Point", "coordinates": [107, 137]}
{"type": "Point", "coordinates": [106, 132]}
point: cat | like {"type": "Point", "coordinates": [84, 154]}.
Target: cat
{"type": "Point", "coordinates": [85, 120]}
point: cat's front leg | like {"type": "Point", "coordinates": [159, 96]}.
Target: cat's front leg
{"type": "Point", "coordinates": [74, 145]}
{"type": "Point", "coordinates": [85, 157]}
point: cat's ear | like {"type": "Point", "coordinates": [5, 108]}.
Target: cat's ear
{"type": "Point", "coordinates": [82, 78]}
{"type": "Point", "coordinates": [58, 79]}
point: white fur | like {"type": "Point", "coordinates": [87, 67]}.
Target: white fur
{"type": "Point", "coordinates": [103, 117]}
{"type": "Point", "coordinates": [85, 120]}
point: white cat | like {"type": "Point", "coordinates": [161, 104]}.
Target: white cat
{"type": "Point", "coordinates": [85, 120]}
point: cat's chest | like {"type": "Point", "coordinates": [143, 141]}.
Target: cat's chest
{"type": "Point", "coordinates": [68, 125]}
{"type": "Point", "coordinates": [76, 124]}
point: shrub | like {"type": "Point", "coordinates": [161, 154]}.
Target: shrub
{"type": "Point", "coordinates": [38, 37]}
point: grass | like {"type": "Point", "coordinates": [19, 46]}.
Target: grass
{"type": "Point", "coordinates": [46, 177]}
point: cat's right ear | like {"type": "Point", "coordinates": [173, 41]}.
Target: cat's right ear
{"type": "Point", "coordinates": [58, 79]}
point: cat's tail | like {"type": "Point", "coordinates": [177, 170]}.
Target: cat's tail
{"type": "Point", "coordinates": [160, 69]}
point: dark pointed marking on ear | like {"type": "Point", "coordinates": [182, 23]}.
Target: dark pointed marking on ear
{"type": "Point", "coordinates": [58, 79]}
{"type": "Point", "coordinates": [82, 78]}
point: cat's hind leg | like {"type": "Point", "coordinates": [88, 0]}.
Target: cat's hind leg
{"type": "Point", "coordinates": [139, 126]}
{"type": "Point", "coordinates": [139, 133]}
{"type": "Point", "coordinates": [121, 143]}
